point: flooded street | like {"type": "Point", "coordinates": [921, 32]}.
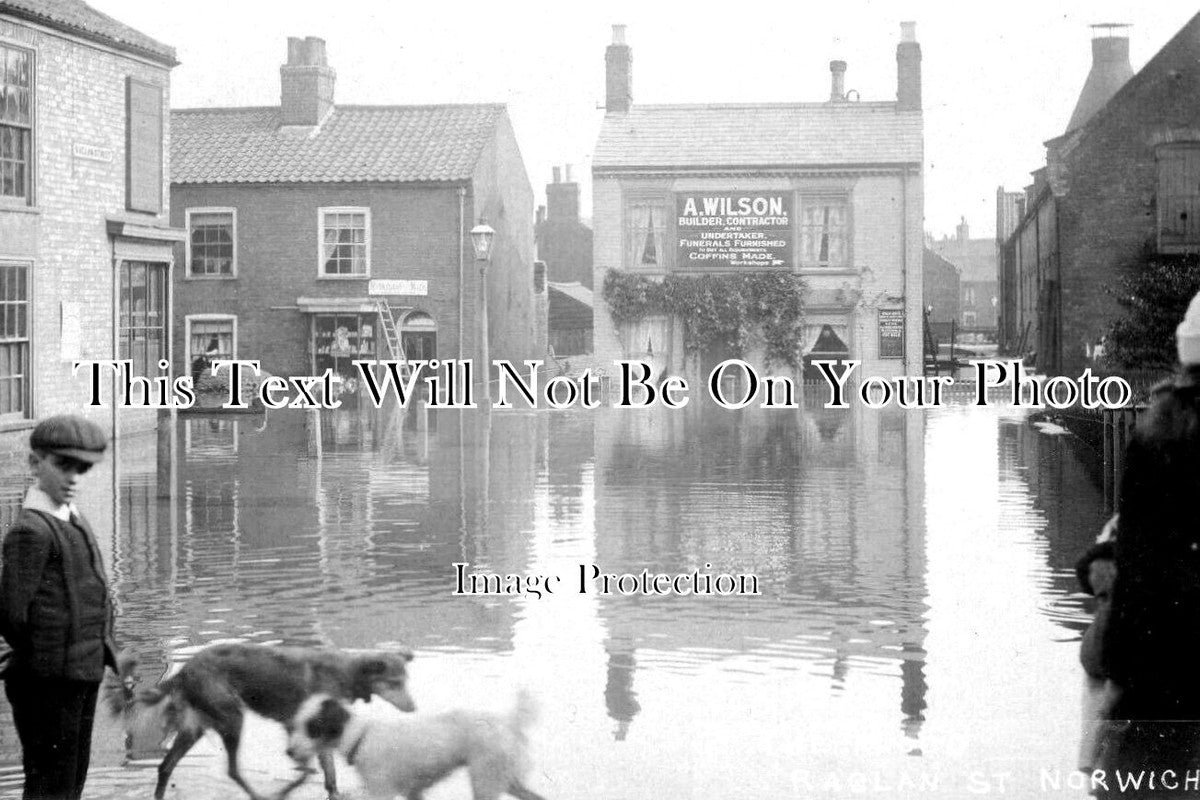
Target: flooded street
{"type": "Point", "coordinates": [916, 633]}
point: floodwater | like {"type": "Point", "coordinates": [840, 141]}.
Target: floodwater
{"type": "Point", "coordinates": [916, 634]}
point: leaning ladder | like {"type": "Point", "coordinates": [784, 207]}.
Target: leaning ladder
{"type": "Point", "coordinates": [387, 324]}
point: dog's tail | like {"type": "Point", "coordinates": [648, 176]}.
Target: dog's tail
{"type": "Point", "coordinates": [524, 712]}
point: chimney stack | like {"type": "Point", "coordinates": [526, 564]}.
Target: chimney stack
{"type": "Point", "coordinates": [1110, 70]}
{"type": "Point", "coordinates": [562, 198]}
{"type": "Point", "coordinates": [837, 88]}
{"type": "Point", "coordinates": [306, 83]}
{"type": "Point", "coordinates": [908, 69]}
{"type": "Point", "coordinates": [963, 230]}
{"type": "Point", "coordinates": [618, 74]}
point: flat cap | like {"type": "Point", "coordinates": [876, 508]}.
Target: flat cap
{"type": "Point", "coordinates": [69, 435]}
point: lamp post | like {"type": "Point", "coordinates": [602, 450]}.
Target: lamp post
{"type": "Point", "coordinates": [481, 240]}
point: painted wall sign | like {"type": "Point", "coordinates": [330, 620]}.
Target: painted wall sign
{"type": "Point", "coordinates": [90, 152]}
{"type": "Point", "coordinates": [734, 229]}
{"type": "Point", "coordinates": [891, 333]}
{"type": "Point", "coordinates": [385, 287]}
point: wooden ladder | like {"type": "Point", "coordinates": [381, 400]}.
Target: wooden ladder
{"type": "Point", "coordinates": [387, 323]}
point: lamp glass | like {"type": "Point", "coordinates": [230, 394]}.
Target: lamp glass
{"type": "Point", "coordinates": [481, 240]}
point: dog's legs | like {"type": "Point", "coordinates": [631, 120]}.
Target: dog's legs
{"type": "Point", "coordinates": [325, 759]}
{"type": "Point", "coordinates": [231, 738]}
{"type": "Point", "coordinates": [517, 790]}
{"type": "Point", "coordinates": [184, 740]}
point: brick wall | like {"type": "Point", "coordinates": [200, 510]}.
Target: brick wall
{"type": "Point", "coordinates": [503, 194]}
{"type": "Point", "coordinates": [1104, 215]}
{"type": "Point", "coordinates": [414, 236]}
{"type": "Point", "coordinates": [80, 98]}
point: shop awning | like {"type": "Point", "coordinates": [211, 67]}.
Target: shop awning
{"type": "Point", "coordinates": [337, 305]}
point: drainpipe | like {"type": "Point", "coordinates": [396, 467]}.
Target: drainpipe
{"type": "Point", "coordinates": [904, 269]}
{"type": "Point", "coordinates": [116, 353]}
{"type": "Point", "coordinates": [462, 232]}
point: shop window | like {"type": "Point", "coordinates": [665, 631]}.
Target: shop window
{"type": "Point", "coordinates": [345, 242]}
{"type": "Point", "coordinates": [16, 123]}
{"type": "Point", "coordinates": [341, 339]}
{"type": "Point", "coordinates": [1179, 198]}
{"type": "Point", "coordinates": [143, 315]}
{"type": "Point", "coordinates": [14, 340]}
{"type": "Point", "coordinates": [212, 242]}
{"type": "Point", "coordinates": [144, 146]}
{"type": "Point", "coordinates": [824, 232]}
{"type": "Point", "coordinates": [646, 224]}
{"type": "Point", "coordinates": [209, 338]}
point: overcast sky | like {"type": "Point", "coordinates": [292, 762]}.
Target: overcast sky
{"type": "Point", "coordinates": [999, 78]}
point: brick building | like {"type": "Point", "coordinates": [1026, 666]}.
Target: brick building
{"type": "Point", "coordinates": [85, 248]}
{"type": "Point", "coordinates": [564, 245]}
{"type": "Point", "coordinates": [1122, 181]}
{"type": "Point", "coordinates": [976, 262]}
{"type": "Point", "coordinates": [841, 181]}
{"type": "Point", "coordinates": [309, 224]}
{"type": "Point", "coordinates": [941, 291]}
{"type": "Point", "coordinates": [564, 242]}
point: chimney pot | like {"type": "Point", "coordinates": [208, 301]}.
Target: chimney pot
{"type": "Point", "coordinates": [567, 173]}
{"type": "Point", "coordinates": [618, 34]}
{"type": "Point", "coordinates": [837, 88]}
{"type": "Point", "coordinates": [316, 51]}
{"type": "Point", "coordinates": [295, 50]}
{"type": "Point", "coordinates": [908, 31]}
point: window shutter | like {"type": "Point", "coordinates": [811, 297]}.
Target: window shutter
{"type": "Point", "coordinates": [144, 146]}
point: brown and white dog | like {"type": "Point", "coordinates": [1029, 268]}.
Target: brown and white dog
{"type": "Point", "coordinates": [405, 754]}
{"type": "Point", "coordinates": [215, 687]}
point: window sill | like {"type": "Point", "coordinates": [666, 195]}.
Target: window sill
{"type": "Point", "coordinates": [842, 271]}
{"type": "Point", "coordinates": [210, 277]}
{"type": "Point", "coordinates": [18, 207]}
{"type": "Point", "coordinates": [1177, 249]}
{"type": "Point", "coordinates": [14, 425]}
{"type": "Point", "coordinates": [355, 277]}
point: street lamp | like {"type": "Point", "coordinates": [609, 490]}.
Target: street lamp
{"type": "Point", "coordinates": [481, 240]}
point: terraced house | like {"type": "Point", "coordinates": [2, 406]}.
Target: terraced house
{"type": "Point", "coordinates": [313, 228]}
{"type": "Point", "coordinates": [85, 247]}
{"type": "Point", "coordinates": [830, 191]}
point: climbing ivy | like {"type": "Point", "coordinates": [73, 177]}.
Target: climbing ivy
{"type": "Point", "coordinates": [717, 311]}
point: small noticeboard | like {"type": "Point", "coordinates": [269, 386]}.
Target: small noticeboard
{"type": "Point", "coordinates": [891, 333]}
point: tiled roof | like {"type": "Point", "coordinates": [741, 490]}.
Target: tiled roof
{"type": "Point", "coordinates": [759, 135]}
{"type": "Point", "coordinates": [354, 143]}
{"type": "Point", "coordinates": [81, 19]}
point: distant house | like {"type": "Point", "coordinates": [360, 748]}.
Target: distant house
{"type": "Point", "coordinates": [830, 191]}
{"type": "Point", "coordinates": [85, 245]}
{"type": "Point", "coordinates": [564, 245]}
{"type": "Point", "coordinates": [570, 318]}
{"type": "Point", "coordinates": [976, 263]}
{"type": "Point", "coordinates": [564, 242]}
{"type": "Point", "coordinates": [313, 228]}
{"type": "Point", "coordinates": [1122, 181]}
{"type": "Point", "coordinates": [941, 291]}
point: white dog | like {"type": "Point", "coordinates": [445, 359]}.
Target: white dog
{"type": "Point", "coordinates": [409, 753]}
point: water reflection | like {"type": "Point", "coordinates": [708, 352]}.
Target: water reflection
{"type": "Point", "coordinates": [915, 576]}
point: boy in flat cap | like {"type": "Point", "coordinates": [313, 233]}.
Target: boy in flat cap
{"type": "Point", "coordinates": [55, 612]}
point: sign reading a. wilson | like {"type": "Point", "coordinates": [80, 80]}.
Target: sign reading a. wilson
{"type": "Point", "coordinates": [734, 230]}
